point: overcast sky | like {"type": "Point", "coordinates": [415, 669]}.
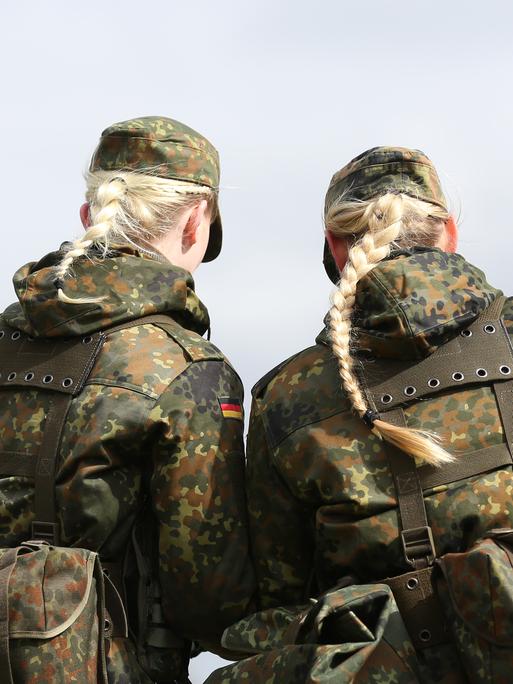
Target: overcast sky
{"type": "Point", "coordinates": [288, 92]}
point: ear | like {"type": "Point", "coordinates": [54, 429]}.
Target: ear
{"type": "Point", "coordinates": [194, 221]}
{"type": "Point", "coordinates": [84, 215]}
{"type": "Point", "coordinates": [451, 235]}
{"type": "Point", "coordinates": [338, 248]}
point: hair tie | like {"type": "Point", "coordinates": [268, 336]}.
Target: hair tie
{"type": "Point", "coordinates": [369, 417]}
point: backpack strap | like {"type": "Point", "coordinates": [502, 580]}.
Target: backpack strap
{"type": "Point", "coordinates": [416, 536]}
{"type": "Point", "coordinates": [58, 367]}
{"type": "Point", "coordinates": [481, 351]}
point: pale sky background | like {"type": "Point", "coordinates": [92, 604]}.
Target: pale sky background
{"type": "Point", "coordinates": [288, 92]}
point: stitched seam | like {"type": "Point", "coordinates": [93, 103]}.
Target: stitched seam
{"type": "Point", "coordinates": [122, 385]}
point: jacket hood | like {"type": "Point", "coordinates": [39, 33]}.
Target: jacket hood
{"type": "Point", "coordinates": [131, 285]}
{"type": "Point", "coordinates": [415, 301]}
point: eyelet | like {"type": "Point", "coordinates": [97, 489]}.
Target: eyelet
{"type": "Point", "coordinates": [489, 328]}
{"type": "Point", "coordinates": [47, 379]}
{"type": "Point", "coordinates": [433, 382]}
{"type": "Point", "coordinates": [67, 382]}
{"type": "Point", "coordinates": [87, 339]}
{"type": "Point", "coordinates": [505, 370]}
{"type": "Point", "coordinates": [425, 635]}
{"type": "Point", "coordinates": [466, 333]}
{"type": "Point", "coordinates": [2, 334]}
{"type": "Point", "coordinates": [481, 372]}
{"type": "Point", "coordinates": [458, 377]}
{"type": "Point", "coordinates": [11, 376]}
{"type": "Point", "coordinates": [410, 390]}
{"type": "Point", "coordinates": [16, 335]}
{"type": "Point", "coordinates": [386, 399]}
{"type": "Point", "coordinates": [29, 376]}
{"type": "Point", "coordinates": [412, 583]}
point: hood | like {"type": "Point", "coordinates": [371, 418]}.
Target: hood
{"type": "Point", "coordinates": [415, 301]}
{"type": "Point", "coordinates": [131, 284]}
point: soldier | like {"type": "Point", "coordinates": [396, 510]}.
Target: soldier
{"type": "Point", "coordinates": [385, 445]}
{"type": "Point", "coordinates": [150, 465]}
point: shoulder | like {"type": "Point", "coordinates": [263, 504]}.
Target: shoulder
{"type": "Point", "coordinates": [149, 356]}
{"type": "Point", "coordinates": [302, 390]}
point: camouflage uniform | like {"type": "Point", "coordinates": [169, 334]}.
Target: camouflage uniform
{"type": "Point", "coordinates": [322, 502]}
{"type": "Point", "coordinates": [151, 423]}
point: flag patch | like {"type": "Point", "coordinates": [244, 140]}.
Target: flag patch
{"type": "Point", "coordinates": [231, 408]}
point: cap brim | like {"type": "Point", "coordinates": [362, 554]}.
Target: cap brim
{"type": "Point", "coordinates": [330, 265]}
{"type": "Point", "coordinates": [215, 241]}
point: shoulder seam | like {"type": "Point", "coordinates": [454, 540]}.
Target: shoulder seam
{"type": "Point", "coordinates": [266, 379]}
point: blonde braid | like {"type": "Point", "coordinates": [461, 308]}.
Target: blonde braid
{"type": "Point", "coordinates": [110, 195]}
{"type": "Point", "coordinates": [383, 220]}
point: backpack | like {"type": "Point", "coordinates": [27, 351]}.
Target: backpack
{"type": "Point", "coordinates": [60, 607]}
{"type": "Point", "coordinates": [461, 598]}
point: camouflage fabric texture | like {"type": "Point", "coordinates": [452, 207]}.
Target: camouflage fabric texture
{"type": "Point", "coordinates": [162, 147]}
{"type": "Point", "coordinates": [378, 171]}
{"type": "Point", "coordinates": [55, 617]}
{"type": "Point", "coordinates": [321, 496]}
{"type": "Point", "coordinates": [352, 634]}
{"type": "Point", "coordinates": [152, 401]}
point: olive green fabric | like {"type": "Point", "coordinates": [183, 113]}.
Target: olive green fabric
{"type": "Point", "coordinates": [166, 148]}
{"type": "Point", "coordinates": [322, 502]}
{"type": "Point", "coordinates": [378, 171]}
{"type": "Point", "coordinates": [151, 402]}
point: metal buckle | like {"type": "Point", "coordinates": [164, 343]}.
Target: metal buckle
{"type": "Point", "coordinates": [418, 544]}
{"type": "Point", "coordinates": [44, 531]}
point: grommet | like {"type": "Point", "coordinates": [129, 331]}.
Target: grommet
{"type": "Point", "coordinates": [11, 376]}
{"type": "Point", "coordinates": [2, 333]}
{"type": "Point", "coordinates": [458, 377]}
{"type": "Point", "coordinates": [505, 370]}
{"type": "Point", "coordinates": [425, 635]}
{"type": "Point", "coordinates": [29, 376]}
{"type": "Point", "coordinates": [481, 372]}
{"type": "Point", "coordinates": [47, 379]}
{"type": "Point", "coordinates": [466, 333]}
{"type": "Point", "coordinates": [87, 339]}
{"type": "Point", "coordinates": [386, 399]}
{"type": "Point", "coordinates": [67, 382]}
{"type": "Point", "coordinates": [16, 335]}
{"type": "Point", "coordinates": [489, 328]}
{"type": "Point", "coordinates": [107, 625]}
{"type": "Point", "coordinates": [410, 390]}
{"type": "Point", "coordinates": [433, 382]}
{"type": "Point", "coordinates": [412, 583]}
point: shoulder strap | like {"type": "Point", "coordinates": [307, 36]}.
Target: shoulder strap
{"type": "Point", "coordinates": [59, 367]}
{"type": "Point", "coordinates": [492, 355]}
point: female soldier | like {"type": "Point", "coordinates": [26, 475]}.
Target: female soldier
{"type": "Point", "coordinates": [159, 416]}
{"type": "Point", "coordinates": [354, 485]}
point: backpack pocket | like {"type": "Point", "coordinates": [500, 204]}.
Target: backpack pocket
{"type": "Point", "coordinates": [476, 589]}
{"type": "Point", "coordinates": [55, 615]}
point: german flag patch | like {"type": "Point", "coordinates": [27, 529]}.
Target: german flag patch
{"type": "Point", "coordinates": [231, 408]}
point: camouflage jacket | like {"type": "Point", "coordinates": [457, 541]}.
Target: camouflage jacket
{"type": "Point", "coordinates": [153, 402]}
{"type": "Point", "coordinates": [332, 511]}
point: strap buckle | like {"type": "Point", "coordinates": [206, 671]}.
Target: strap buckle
{"type": "Point", "coordinates": [418, 545]}
{"type": "Point", "coordinates": [44, 531]}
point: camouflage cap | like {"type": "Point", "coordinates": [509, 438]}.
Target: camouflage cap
{"type": "Point", "coordinates": [168, 149]}
{"type": "Point", "coordinates": [378, 171]}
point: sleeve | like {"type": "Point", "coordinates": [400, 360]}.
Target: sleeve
{"type": "Point", "coordinates": [281, 526]}
{"type": "Point", "coordinates": [198, 497]}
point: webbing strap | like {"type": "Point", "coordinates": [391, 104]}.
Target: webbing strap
{"type": "Point", "coordinates": [7, 563]}
{"type": "Point", "coordinates": [467, 465]}
{"type": "Point", "coordinates": [45, 525]}
{"type": "Point", "coordinates": [416, 536]}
